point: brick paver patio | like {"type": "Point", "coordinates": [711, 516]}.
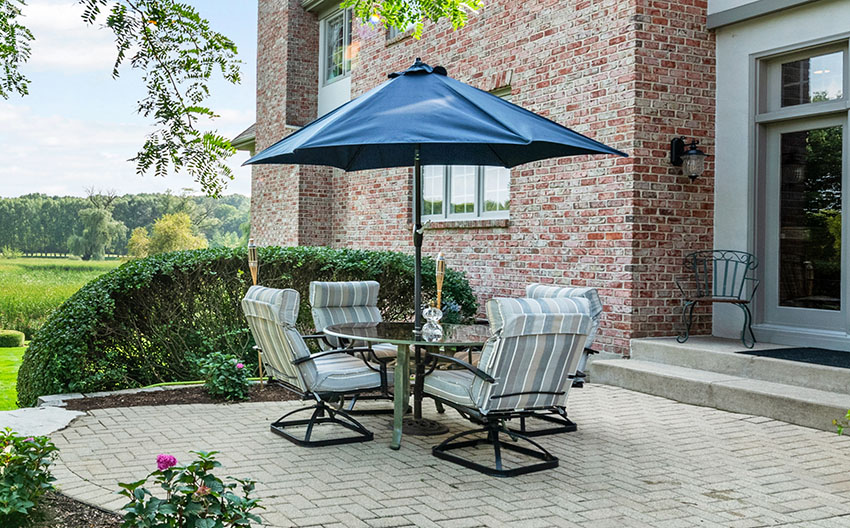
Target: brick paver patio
{"type": "Point", "coordinates": [636, 460]}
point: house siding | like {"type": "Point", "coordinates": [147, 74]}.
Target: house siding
{"type": "Point", "coordinates": [631, 74]}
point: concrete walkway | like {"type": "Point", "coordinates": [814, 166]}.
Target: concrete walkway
{"type": "Point", "coordinates": [636, 460]}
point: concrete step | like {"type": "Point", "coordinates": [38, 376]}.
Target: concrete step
{"type": "Point", "coordinates": [720, 356]}
{"type": "Point", "coordinates": [788, 403]}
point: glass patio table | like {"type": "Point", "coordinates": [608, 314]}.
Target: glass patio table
{"type": "Point", "coordinates": [401, 335]}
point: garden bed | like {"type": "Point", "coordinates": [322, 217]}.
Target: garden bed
{"type": "Point", "coordinates": [60, 511]}
{"type": "Point", "coordinates": [196, 394]}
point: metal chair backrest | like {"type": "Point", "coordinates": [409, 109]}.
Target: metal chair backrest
{"type": "Point", "coordinates": [533, 350]}
{"type": "Point", "coordinates": [721, 273]}
{"type": "Point", "coordinates": [542, 291]}
{"type": "Point", "coordinates": [343, 302]}
{"type": "Point", "coordinates": [271, 315]}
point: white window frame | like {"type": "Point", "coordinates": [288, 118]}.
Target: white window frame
{"type": "Point", "coordinates": [478, 203]}
{"type": "Point", "coordinates": [346, 15]}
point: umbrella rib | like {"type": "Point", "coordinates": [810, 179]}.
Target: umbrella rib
{"type": "Point", "coordinates": [353, 158]}
{"type": "Point", "coordinates": [497, 155]}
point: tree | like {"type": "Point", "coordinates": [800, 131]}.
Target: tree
{"type": "Point", "coordinates": [99, 230]}
{"type": "Point", "coordinates": [403, 14]}
{"type": "Point", "coordinates": [139, 244]}
{"type": "Point", "coordinates": [173, 232]}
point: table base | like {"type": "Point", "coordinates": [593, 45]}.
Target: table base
{"type": "Point", "coordinates": [422, 427]}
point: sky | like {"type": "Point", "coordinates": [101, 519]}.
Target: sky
{"type": "Point", "coordinates": [78, 127]}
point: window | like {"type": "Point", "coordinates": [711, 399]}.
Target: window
{"type": "Point", "coordinates": [467, 192]}
{"type": "Point", "coordinates": [461, 192]}
{"type": "Point", "coordinates": [813, 79]}
{"type": "Point", "coordinates": [338, 50]}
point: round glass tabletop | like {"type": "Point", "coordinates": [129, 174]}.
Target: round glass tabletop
{"type": "Point", "coordinates": [454, 335]}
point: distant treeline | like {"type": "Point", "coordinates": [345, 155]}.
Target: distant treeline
{"type": "Point", "coordinates": [37, 223]}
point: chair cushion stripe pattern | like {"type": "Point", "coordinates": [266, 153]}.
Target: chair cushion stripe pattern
{"type": "Point", "coordinates": [271, 314]}
{"type": "Point", "coordinates": [343, 302]}
{"type": "Point", "coordinates": [537, 291]}
{"type": "Point", "coordinates": [452, 385]}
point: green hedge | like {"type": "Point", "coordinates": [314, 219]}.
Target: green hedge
{"type": "Point", "coordinates": [11, 338]}
{"type": "Point", "coordinates": [151, 319]}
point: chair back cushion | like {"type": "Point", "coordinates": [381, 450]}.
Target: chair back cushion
{"type": "Point", "coordinates": [534, 347]}
{"type": "Point", "coordinates": [343, 302]}
{"type": "Point", "coordinates": [539, 291]}
{"type": "Point", "coordinates": [271, 315]}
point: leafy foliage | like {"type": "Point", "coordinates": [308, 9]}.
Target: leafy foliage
{"type": "Point", "coordinates": [10, 252]}
{"type": "Point", "coordinates": [25, 475]}
{"type": "Point", "coordinates": [37, 223]}
{"type": "Point", "coordinates": [172, 232]}
{"type": "Point", "coordinates": [15, 49]}
{"type": "Point", "coordinates": [225, 376]}
{"type": "Point", "coordinates": [99, 231]}
{"type": "Point", "coordinates": [195, 498]}
{"type": "Point", "coordinates": [177, 53]}
{"type": "Point", "coordinates": [841, 425]}
{"type": "Point", "coordinates": [403, 14]}
{"type": "Point", "coordinates": [11, 338]}
{"type": "Point", "coordinates": [152, 319]}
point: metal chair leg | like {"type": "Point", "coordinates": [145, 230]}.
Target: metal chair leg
{"type": "Point", "coordinates": [748, 327]}
{"type": "Point", "coordinates": [687, 321]}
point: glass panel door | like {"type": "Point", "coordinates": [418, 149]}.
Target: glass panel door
{"type": "Point", "coordinates": [804, 279]}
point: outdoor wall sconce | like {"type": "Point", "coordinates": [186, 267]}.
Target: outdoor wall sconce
{"type": "Point", "coordinates": [692, 160]}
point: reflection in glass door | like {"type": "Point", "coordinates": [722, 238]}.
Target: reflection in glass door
{"type": "Point", "coordinates": [810, 219]}
{"type": "Point", "coordinates": [802, 261]}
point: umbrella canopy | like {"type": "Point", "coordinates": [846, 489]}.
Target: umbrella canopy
{"type": "Point", "coordinates": [451, 123]}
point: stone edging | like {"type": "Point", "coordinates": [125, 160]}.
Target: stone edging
{"type": "Point", "coordinates": [60, 400]}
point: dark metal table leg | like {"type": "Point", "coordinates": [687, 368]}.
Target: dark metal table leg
{"type": "Point", "coordinates": [416, 425]}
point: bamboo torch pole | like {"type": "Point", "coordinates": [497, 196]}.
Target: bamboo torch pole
{"type": "Point", "coordinates": [254, 266]}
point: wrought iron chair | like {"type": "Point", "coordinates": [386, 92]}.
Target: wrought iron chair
{"type": "Point", "coordinates": [327, 377]}
{"type": "Point", "coordinates": [719, 276]}
{"type": "Point", "coordinates": [525, 367]}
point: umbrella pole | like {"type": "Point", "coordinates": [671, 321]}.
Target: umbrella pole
{"type": "Point", "coordinates": [417, 242]}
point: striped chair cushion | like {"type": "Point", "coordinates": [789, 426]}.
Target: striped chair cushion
{"type": "Point", "coordinates": [344, 373]}
{"type": "Point", "coordinates": [451, 385]}
{"type": "Point", "coordinates": [534, 348]}
{"type": "Point", "coordinates": [271, 315]}
{"type": "Point", "coordinates": [538, 291]}
{"type": "Point", "coordinates": [343, 302]}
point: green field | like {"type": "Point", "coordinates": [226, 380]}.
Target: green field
{"type": "Point", "coordinates": [10, 360]}
{"type": "Point", "coordinates": [31, 288]}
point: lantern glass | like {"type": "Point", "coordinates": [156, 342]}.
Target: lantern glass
{"type": "Point", "coordinates": [693, 163]}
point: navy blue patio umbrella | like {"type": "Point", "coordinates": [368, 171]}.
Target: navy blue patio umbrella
{"type": "Point", "coordinates": [422, 116]}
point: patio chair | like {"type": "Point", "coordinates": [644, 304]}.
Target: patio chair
{"type": "Point", "coordinates": [327, 377]}
{"type": "Point", "coordinates": [720, 276]}
{"type": "Point", "coordinates": [525, 367]}
{"type": "Point", "coordinates": [349, 302]}
{"type": "Point", "coordinates": [543, 291]}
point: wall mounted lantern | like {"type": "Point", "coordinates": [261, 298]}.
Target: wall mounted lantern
{"type": "Point", "coordinates": [691, 160]}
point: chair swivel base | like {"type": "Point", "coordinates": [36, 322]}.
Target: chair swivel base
{"type": "Point", "coordinates": [322, 414]}
{"type": "Point", "coordinates": [443, 451]}
{"type": "Point", "coordinates": [562, 424]}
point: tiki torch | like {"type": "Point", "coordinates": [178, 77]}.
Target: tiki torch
{"type": "Point", "coordinates": [441, 273]}
{"type": "Point", "coordinates": [253, 261]}
{"type": "Point", "coordinates": [254, 266]}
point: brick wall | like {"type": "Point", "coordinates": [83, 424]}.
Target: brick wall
{"type": "Point", "coordinates": [628, 73]}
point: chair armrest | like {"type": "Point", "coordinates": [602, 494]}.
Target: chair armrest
{"type": "Point", "coordinates": [317, 355]}
{"type": "Point", "coordinates": [590, 351]}
{"type": "Point", "coordinates": [451, 359]}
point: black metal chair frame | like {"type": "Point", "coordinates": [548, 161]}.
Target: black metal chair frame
{"type": "Point", "coordinates": [323, 413]}
{"type": "Point", "coordinates": [494, 425]}
{"type": "Point", "coordinates": [721, 276]}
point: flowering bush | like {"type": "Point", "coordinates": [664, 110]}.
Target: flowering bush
{"type": "Point", "coordinates": [195, 498]}
{"type": "Point", "coordinates": [842, 424]}
{"type": "Point", "coordinates": [225, 377]}
{"type": "Point", "coordinates": [24, 474]}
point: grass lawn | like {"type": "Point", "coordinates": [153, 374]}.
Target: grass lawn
{"type": "Point", "coordinates": [10, 360]}
{"type": "Point", "coordinates": [34, 287]}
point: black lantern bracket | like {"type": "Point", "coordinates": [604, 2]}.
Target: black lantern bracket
{"type": "Point", "coordinates": [677, 148]}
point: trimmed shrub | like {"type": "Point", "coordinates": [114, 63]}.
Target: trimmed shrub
{"type": "Point", "coordinates": [151, 320]}
{"type": "Point", "coordinates": [11, 338]}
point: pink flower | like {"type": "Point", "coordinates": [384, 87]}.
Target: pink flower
{"type": "Point", "coordinates": [240, 365]}
{"type": "Point", "coordinates": [30, 439]}
{"type": "Point", "coordinates": [164, 462]}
